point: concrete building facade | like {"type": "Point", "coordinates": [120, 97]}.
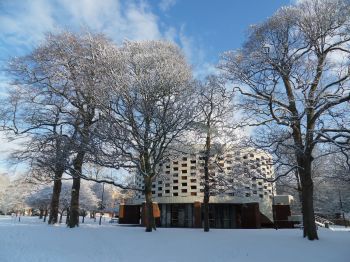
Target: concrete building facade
{"type": "Point", "coordinates": [240, 194]}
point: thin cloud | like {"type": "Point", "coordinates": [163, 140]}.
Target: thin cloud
{"type": "Point", "coordinates": [165, 5]}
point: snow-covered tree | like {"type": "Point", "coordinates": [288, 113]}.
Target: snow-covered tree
{"type": "Point", "coordinates": [65, 72]}
{"type": "Point", "coordinates": [4, 183]}
{"type": "Point", "coordinates": [293, 76]}
{"type": "Point", "coordinates": [214, 129]}
{"type": "Point", "coordinates": [150, 108]}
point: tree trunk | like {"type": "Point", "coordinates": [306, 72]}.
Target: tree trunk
{"type": "Point", "coordinates": [307, 188]}
{"type": "Point", "coordinates": [41, 213]}
{"type": "Point", "coordinates": [82, 221]}
{"type": "Point", "coordinates": [74, 203]}
{"type": "Point", "coordinates": [206, 182]}
{"type": "Point", "coordinates": [55, 199]}
{"type": "Point", "coordinates": [149, 219]}
{"type": "Point", "coordinates": [45, 215]}
{"type": "Point", "coordinates": [61, 215]}
{"type": "Point", "coordinates": [67, 217]}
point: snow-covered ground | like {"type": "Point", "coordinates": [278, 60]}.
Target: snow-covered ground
{"type": "Point", "coordinates": [33, 240]}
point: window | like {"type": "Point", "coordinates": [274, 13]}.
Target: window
{"type": "Point", "coordinates": [159, 182]}
{"type": "Point", "coordinates": [159, 194]}
{"type": "Point", "coordinates": [167, 191]}
{"type": "Point", "coordinates": [153, 192]}
{"type": "Point", "coordinates": [193, 167]}
{"type": "Point", "coordinates": [184, 165]}
{"type": "Point", "coordinates": [247, 194]}
{"type": "Point", "coordinates": [175, 194]}
{"type": "Point", "coordinates": [153, 186]}
{"type": "Point", "coordinates": [184, 184]}
{"type": "Point", "coordinates": [261, 196]}
{"type": "Point", "coordinates": [254, 192]}
{"type": "Point", "coordinates": [175, 175]}
{"type": "Point", "coordinates": [193, 180]}
{"type": "Point", "coordinates": [184, 159]}
{"type": "Point", "coordinates": [184, 190]}
{"type": "Point", "coordinates": [176, 181]}
{"type": "Point", "coordinates": [175, 187]}
{"type": "Point", "coordinates": [160, 188]}
{"type": "Point", "coordinates": [167, 185]}
{"type": "Point", "coordinates": [251, 155]}
{"type": "Point", "coordinates": [176, 168]}
{"type": "Point", "coordinates": [193, 193]}
{"type": "Point", "coordinates": [193, 187]}
{"type": "Point", "coordinates": [184, 177]}
{"type": "Point", "coordinates": [193, 161]}
{"type": "Point", "coordinates": [167, 172]}
{"type": "Point", "coordinates": [175, 162]}
{"type": "Point", "coordinates": [184, 171]}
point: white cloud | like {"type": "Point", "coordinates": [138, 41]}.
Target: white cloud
{"type": "Point", "coordinates": [23, 24]}
{"type": "Point", "coordinates": [196, 55]}
{"type": "Point", "coordinates": [165, 5]}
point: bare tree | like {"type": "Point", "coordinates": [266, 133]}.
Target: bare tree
{"type": "Point", "coordinates": [69, 67]}
{"type": "Point", "coordinates": [214, 126]}
{"type": "Point", "coordinates": [35, 116]}
{"type": "Point", "coordinates": [149, 109]}
{"type": "Point", "coordinates": [290, 79]}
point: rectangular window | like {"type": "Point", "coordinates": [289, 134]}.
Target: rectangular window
{"type": "Point", "coordinates": [184, 171]}
{"type": "Point", "coordinates": [184, 190]}
{"type": "Point", "coordinates": [160, 188]}
{"type": "Point", "coordinates": [167, 185]}
{"type": "Point", "coordinates": [184, 177]}
{"type": "Point", "coordinates": [159, 194]}
{"type": "Point", "coordinates": [193, 180]}
{"type": "Point", "coordinates": [176, 168]}
{"type": "Point", "coordinates": [184, 165]}
{"type": "Point", "coordinates": [167, 191]}
{"type": "Point", "coordinates": [184, 184]}
{"type": "Point", "coordinates": [193, 187]}
{"type": "Point", "coordinates": [175, 187]}
{"type": "Point", "coordinates": [176, 181]}
{"type": "Point", "coordinates": [193, 193]}
{"type": "Point", "coordinates": [175, 194]}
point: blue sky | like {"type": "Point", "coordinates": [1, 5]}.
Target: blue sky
{"type": "Point", "coordinates": [202, 28]}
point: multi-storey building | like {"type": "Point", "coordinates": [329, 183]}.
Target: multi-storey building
{"type": "Point", "coordinates": [241, 194]}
